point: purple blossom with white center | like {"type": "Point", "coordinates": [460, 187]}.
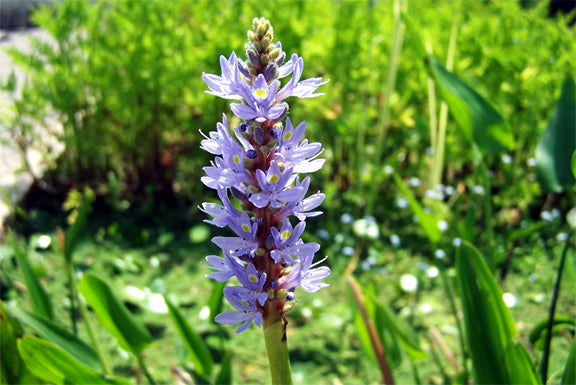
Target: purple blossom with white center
{"type": "Point", "coordinates": [259, 162]}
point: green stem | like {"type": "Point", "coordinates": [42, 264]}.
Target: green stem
{"type": "Point", "coordinates": [92, 336]}
{"type": "Point", "coordinates": [72, 293]}
{"type": "Point", "coordinates": [490, 257]}
{"type": "Point", "coordinates": [546, 354]}
{"type": "Point", "coordinates": [275, 339]}
{"type": "Point", "coordinates": [452, 303]}
{"type": "Point", "coordinates": [145, 369]}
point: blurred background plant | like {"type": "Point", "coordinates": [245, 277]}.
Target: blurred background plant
{"type": "Point", "coordinates": [124, 80]}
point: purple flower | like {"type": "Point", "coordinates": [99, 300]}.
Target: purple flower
{"type": "Point", "coordinates": [259, 101]}
{"type": "Point", "coordinates": [246, 312]}
{"type": "Point", "coordinates": [273, 184]}
{"type": "Point", "coordinates": [227, 85]}
{"type": "Point", "coordinates": [260, 163]}
{"type": "Point", "coordinates": [303, 89]}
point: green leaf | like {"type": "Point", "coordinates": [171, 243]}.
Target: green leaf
{"type": "Point", "coordinates": [225, 374]}
{"type": "Point", "coordinates": [574, 163]}
{"type": "Point", "coordinates": [39, 299]}
{"type": "Point", "coordinates": [538, 333]}
{"type": "Point", "coordinates": [55, 365]}
{"type": "Point", "coordinates": [569, 376]}
{"type": "Point", "coordinates": [384, 315]}
{"type": "Point", "coordinates": [197, 349]}
{"type": "Point", "coordinates": [490, 329]}
{"type": "Point", "coordinates": [427, 221]}
{"type": "Point", "coordinates": [60, 336]}
{"type": "Point", "coordinates": [12, 367]}
{"type": "Point", "coordinates": [74, 231]}
{"type": "Point", "coordinates": [481, 124]}
{"type": "Point", "coordinates": [216, 299]}
{"type": "Point", "coordinates": [558, 143]}
{"type": "Point", "coordinates": [113, 315]}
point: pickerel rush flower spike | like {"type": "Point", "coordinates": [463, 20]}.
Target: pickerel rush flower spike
{"type": "Point", "coordinates": [260, 165]}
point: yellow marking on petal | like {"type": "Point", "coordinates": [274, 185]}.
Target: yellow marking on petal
{"type": "Point", "coordinates": [246, 228]}
{"type": "Point", "coordinates": [285, 235]}
{"type": "Point", "coordinates": [273, 178]}
{"type": "Point", "coordinates": [244, 302]}
{"type": "Point", "coordinates": [260, 93]}
{"type": "Point", "coordinates": [236, 159]}
{"type": "Point", "coordinates": [288, 136]}
{"type": "Point", "coordinates": [252, 278]}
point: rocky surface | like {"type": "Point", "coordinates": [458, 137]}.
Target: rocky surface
{"type": "Point", "coordinates": [14, 182]}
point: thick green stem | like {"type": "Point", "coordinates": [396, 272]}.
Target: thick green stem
{"type": "Point", "coordinates": [276, 347]}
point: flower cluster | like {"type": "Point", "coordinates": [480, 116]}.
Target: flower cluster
{"type": "Point", "coordinates": [260, 165]}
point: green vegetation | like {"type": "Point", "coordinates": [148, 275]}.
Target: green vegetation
{"type": "Point", "coordinates": [449, 133]}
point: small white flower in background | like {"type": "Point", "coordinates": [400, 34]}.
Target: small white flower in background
{"type": "Point", "coordinates": [430, 151]}
{"type": "Point", "coordinates": [349, 251]}
{"type": "Point", "coordinates": [531, 162]}
{"type": "Point", "coordinates": [547, 216]}
{"type": "Point", "coordinates": [395, 240]}
{"type": "Point", "coordinates": [432, 272]}
{"type": "Point", "coordinates": [414, 182]}
{"type": "Point", "coordinates": [425, 308]}
{"type": "Point", "coordinates": [371, 260]}
{"type": "Point", "coordinates": [383, 271]}
{"type": "Point", "coordinates": [156, 303]}
{"type": "Point", "coordinates": [509, 300]}
{"type": "Point", "coordinates": [478, 190]}
{"type": "Point", "coordinates": [422, 266]}
{"type": "Point", "coordinates": [402, 203]}
{"type": "Point", "coordinates": [539, 298]}
{"type": "Point", "coordinates": [507, 159]}
{"type": "Point", "coordinates": [532, 277]}
{"type": "Point", "coordinates": [442, 225]}
{"type": "Point", "coordinates": [204, 312]}
{"type": "Point", "coordinates": [306, 313]}
{"type": "Point", "coordinates": [134, 293]}
{"type": "Point", "coordinates": [365, 265]}
{"type": "Point", "coordinates": [457, 242]}
{"type": "Point", "coordinates": [562, 237]}
{"type": "Point", "coordinates": [154, 262]}
{"type": "Point", "coordinates": [415, 219]}
{"type": "Point", "coordinates": [449, 190]}
{"type": "Point", "coordinates": [44, 242]}
{"type": "Point", "coordinates": [323, 234]}
{"type": "Point", "coordinates": [440, 254]}
{"type": "Point", "coordinates": [347, 218]}
{"type": "Point", "coordinates": [366, 227]}
{"type": "Point", "coordinates": [409, 283]}
{"type": "Point", "coordinates": [556, 213]}
{"type": "Point", "coordinates": [389, 170]}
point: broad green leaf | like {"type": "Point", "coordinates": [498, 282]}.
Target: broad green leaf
{"type": "Point", "coordinates": [55, 365]}
{"type": "Point", "coordinates": [490, 329]}
{"type": "Point", "coordinates": [74, 231]}
{"type": "Point", "coordinates": [225, 374]}
{"type": "Point", "coordinates": [520, 366]}
{"type": "Point", "coordinates": [405, 335]}
{"type": "Point", "coordinates": [197, 349]}
{"type": "Point", "coordinates": [60, 336]}
{"type": "Point", "coordinates": [574, 163]}
{"type": "Point", "coordinates": [216, 299]}
{"type": "Point", "coordinates": [113, 315]}
{"type": "Point", "coordinates": [39, 299]}
{"type": "Point", "coordinates": [426, 220]}
{"type": "Point", "coordinates": [569, 376]}
{"type": "Point", "coordinates": [12, 367]}
{"type": "Point", "coordinates": [558, 143]}
{"type": "Point", "coordinates": [481, 124]}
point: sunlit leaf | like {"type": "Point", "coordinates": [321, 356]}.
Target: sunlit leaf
{"type": "Point", "coordinates": [12, 367]}
{"type": "Point", "coordinates": [197, 349]}
{"type": "Point", "coordinates": [569, 376]}
{"type": "Point", "coordinates": [490, 329]}
{"type": "Point", "coordinates": [39, 299]}
{"type": "Point", "coordinates": [60, 336]}
{"type": "Point", "coordinates": [55, 365]}
{"type": "Point", "coordinates": [481, 124]}
{"type": "Point", "coordinates": [425, 220]}
{"type": "Point", "coordinates": [558, 142]}
{"type": "Point", "coordinates": [225, 374]}
{"type": "Point", "coordinates": [113, 315]}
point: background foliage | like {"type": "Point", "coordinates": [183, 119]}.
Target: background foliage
{"type": "Point", "coordinates": [124, 77]}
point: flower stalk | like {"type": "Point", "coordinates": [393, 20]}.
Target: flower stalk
{"type": "Point", "coordinates": [260, 163]}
